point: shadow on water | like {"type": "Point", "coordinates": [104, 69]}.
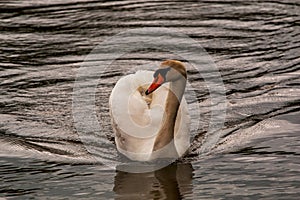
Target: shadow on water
{"type": "Point", "coordinates": [171, 182]}
{"type": "Point", "coordinates": [38, 179]}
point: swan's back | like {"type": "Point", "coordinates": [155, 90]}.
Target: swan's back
{"type": "Point", "coordinates": [137, 118]}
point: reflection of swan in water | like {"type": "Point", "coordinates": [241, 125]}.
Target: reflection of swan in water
{"type": "Point", "coordinates": [171, 182]}
{"type": "Point", "coordinates": [148, 124]}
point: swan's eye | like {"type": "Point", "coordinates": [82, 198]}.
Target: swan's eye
{"type": "Point", "coordinates": [156, 73]}
{"type": "Point", "coordinates": [162, 72]}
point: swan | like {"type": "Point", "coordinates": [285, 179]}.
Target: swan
{"type": "Point", "coordinates": [150, 119]}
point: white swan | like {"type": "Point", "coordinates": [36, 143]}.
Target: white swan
{"type": "Point", "coordinates": [147, 124]}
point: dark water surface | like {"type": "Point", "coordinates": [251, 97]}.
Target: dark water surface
{"type": "Point", "coordinates": [256, 47]}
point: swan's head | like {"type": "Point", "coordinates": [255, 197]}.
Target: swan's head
{"type": "Point", "coordinates": [169, 71]}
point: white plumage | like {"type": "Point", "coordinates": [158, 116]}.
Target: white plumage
{"type": "Point", "coordinates": [137, 118]}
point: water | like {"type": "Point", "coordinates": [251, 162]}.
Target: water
{"type": "Point", "coordinates": [255, 45]}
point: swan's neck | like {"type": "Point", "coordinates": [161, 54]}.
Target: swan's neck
{"type": "Point", "coordinates": [166, 132]}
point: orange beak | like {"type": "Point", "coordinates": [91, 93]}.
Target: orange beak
{"type": "Point", "coordinates": [157, 82]}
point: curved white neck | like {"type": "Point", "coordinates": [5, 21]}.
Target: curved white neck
{"type": "Point", "coordinates": [166, 132]}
